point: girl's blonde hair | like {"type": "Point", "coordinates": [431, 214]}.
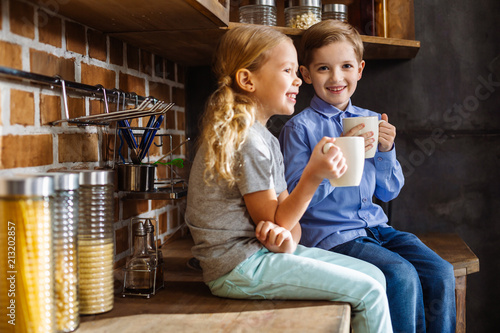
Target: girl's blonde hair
{"type": "Point", "coordinates": [230, 111]}
{"type": "Point", "coordinates": [325, 33]}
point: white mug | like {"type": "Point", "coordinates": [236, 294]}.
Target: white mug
{"type": "Point", "coordinates": [353, 149]}
{"type": "Point", "coordinates": [371, 125]}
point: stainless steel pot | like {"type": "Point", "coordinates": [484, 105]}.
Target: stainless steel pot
{"type": "Point", "coordinates": [136, 177]}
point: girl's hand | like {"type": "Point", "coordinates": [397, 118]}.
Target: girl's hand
{"type": "Point", "coordinates": [387, 134]}
{"type": "Point", "coordinates": [275, 238]}
{"type": "Point", "coordinates": [330, 164]}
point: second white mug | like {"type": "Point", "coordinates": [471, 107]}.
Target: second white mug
{"type": "Point", "coordinates": [371, 125]}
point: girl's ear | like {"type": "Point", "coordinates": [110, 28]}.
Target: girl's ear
{"type": "Point", "coordinates": [244, 80]}
{"type": "Point", "coordinates": [305, 74]}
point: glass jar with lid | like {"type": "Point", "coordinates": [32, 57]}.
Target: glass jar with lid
{"type": "Point", "coordinates": [65, 226]}
{"type": "Point", "coordinates": [258, 12]}
{"type": "Point", "coordinates": [302, 14]}
{"type": "Point", "coordinates": [26, 260]}
{"type": "Point", "coordinates": [95, 241]}
{"type": "Point", "coordinates": [335, 11]}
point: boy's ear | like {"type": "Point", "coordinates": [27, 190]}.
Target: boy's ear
{"type": "Point", "coordinates": [360, 69]}
{"type": "Point", "coordinates": [305, 74]}
{"type": "Point", "coordinates": [244, 80]}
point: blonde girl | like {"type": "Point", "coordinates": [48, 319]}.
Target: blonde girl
{"type": "Point", "coordinates": [243, 220]}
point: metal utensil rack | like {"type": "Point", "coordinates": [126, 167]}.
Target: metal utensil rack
{"type": "Point", "coordinates": [144, 106]}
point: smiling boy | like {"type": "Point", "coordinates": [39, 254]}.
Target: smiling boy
{"type": "Point", "coordinates": [420, 285]}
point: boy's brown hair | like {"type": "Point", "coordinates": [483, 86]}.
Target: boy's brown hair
{"type": "Point", "coordinates": [326, 32]}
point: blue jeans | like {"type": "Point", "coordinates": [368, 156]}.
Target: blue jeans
{"type": "Point", "coordinates": [312, 274]}
{"type": "Point", "coordinates": [420, 284]}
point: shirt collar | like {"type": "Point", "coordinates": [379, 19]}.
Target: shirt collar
{"type": "Point", "coordinates": [328, 110]}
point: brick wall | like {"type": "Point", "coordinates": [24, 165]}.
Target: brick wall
{"type": "Point", "coordinates": [38, 41]}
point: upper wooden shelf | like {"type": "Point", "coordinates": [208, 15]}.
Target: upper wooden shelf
{"type": "Point", "coordinates": [186, 31]}
{"type": "Point", "coordinates": [375, 47]}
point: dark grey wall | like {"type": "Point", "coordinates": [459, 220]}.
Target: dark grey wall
{"type": "Point", "coordinates": [445, 104]}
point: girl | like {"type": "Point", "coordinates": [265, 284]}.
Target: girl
{"type": "Point", "coordinates": [243, 220]}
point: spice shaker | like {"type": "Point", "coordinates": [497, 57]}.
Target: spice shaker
{"type": "Point", "coordinates": [335, 11]}
{"type": "Point", "coordinates": [26, 255]}
{"type": "Point", "coordinates": [302, 14]}
{"type": "Point", "coordinates": [95, 241]}
{"type": "Point", "coordinates": [153, 250]}
{"type": "Point", "coordinates": [258, 12]}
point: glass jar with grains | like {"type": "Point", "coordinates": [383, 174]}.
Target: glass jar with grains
{"type": "Point", "coordinates": [302, 14]}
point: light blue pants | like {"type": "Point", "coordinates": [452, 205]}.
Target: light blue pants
{"type": "Point", "coordinates": [312, 274]}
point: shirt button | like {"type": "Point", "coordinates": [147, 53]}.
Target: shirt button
{"type": "Point", "coordinates": [380, 158]}
{"type": "Point", "coordinates": [364, 199]}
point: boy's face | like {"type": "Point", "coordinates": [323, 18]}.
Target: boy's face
{"type": "Point", "coordinates": [334, 73]}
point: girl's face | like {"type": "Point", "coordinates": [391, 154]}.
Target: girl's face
{"type": "Point", "coordinates": [276, 84]}
{"type": "Point", "coordinates": [334, 73]}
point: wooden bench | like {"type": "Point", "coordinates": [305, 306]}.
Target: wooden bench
{"type": "Point", "coordinates": [186, 304]}
{"type": "Point", "coordinates": [454, 250]}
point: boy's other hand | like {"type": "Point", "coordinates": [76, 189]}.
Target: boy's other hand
{"type": "Point", "coordinates": [387, 134]}
{"type": "Point", "coordinates": [368, 136]}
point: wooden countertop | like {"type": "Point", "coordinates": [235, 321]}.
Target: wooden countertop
{"type": "Point", "coordinates": [185, 304]}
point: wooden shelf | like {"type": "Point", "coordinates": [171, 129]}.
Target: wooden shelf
{"type": "Point", "coordinates": [187, 31]}
{"type": "Point", "coordinates": [375, 47]}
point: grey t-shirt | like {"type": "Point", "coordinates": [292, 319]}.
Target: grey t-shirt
{"type": "Point", "coordinates": [223, 232]}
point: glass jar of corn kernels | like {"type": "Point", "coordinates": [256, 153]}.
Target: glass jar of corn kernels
{"type": "Point", "coordinates": [302, 14]}
{"type": "Point", "coordinates": [95, 241]}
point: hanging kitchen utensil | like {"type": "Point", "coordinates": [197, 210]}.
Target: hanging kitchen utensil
{"type": "Point", "coordinates": [126, 132]}
{"type": "Point", "coordinates": [150, 137]}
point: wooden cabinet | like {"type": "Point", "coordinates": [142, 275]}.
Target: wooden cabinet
{"type": "Point", "coordinates": [186, 31]}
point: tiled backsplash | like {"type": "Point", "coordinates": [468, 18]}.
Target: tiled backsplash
{"type": "Point", "coordinates": [35, 40]}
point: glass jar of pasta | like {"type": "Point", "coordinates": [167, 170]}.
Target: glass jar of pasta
{"type": "Point", "coordinates": [302, 14]}
{"type": "Point", "coordinates": [65, 227]}
{"type": "Point", "coordinates": [26, 255]}
{"type": "Point", "coordinates": [95, 241]}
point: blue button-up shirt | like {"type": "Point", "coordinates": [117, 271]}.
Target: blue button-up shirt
{"type": "Point", "coordinates": [337, 214]}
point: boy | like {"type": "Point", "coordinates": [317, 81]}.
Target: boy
{"type": "Point", "coordinates": [420, 285]}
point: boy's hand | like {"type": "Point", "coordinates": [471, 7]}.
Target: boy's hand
{"type": "Point", "coordinates": [387, 134]}
{"type": "Point", "coordinates": [368, 136]}
{"type": "Point", "coordinates": [275, 238]}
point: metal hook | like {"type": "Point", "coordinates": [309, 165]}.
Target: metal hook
{"type": "Point", "coordinates": [104, 95]}
{"type": "Point", "coordinates": [65, 96]}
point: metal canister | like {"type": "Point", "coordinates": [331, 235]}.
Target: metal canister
{"type": "Point", "coordinates": [95, 241]}
{"type": "Point", "coordinates": [26, 255]}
